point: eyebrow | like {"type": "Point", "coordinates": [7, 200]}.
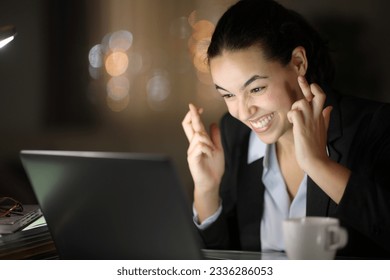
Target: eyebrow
{"type": "Point", "coordinates": [247, 83]}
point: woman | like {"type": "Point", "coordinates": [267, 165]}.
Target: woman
{"type": "Point", "coordinates": [290, 146]}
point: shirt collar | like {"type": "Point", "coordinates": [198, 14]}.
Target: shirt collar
{"type": "Point", "coordinates": [257, 149]}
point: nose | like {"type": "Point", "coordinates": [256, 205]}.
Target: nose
{"type": "Point", "coordinates": [246, 108]}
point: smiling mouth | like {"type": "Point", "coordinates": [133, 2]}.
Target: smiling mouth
{"type": "Point", "coordinates": [263, 122]}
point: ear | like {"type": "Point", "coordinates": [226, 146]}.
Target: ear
{"type": "Point", "coordinates": [299, 60]}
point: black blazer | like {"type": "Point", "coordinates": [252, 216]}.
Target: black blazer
{"type": "Point", "coordinates": [358, 138]}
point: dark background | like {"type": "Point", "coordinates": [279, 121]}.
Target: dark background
{"type": "Point", "coordinates": [49, 100]}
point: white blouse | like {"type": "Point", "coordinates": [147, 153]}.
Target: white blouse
{"type": "Point", "coordinates": [277, 206]}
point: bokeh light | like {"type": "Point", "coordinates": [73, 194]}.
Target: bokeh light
{"type": "Point", "coordinates": [113, 56]}
{"type": "Point", "coordinates": [95, 73]}
{"type": "Point", "coordinates": [203, 29]}
{"type": "Point", "coordinates": [118, 88]}
{"type": "Point", "coordinates": [118, 96]}
{"type": "Point", "coordinates": [105, 44]}
{"type": "Point", "coordinates": [193, 18]}
{"type": "Point", "coordinates": [136, 62]}
{"type": "Point", "coordinates": [198, 44]}
{"type": "Point", "coordinates": [116, 63]}
{"type": "Point", "coordinates": [118, 105]}
{"type": "Point", "coordinates": [200, 56]}
{"type": "Point", "coordinates": [158, 89]}
{"type": "Point", "coordinates": [120, 40]}
{"type": "Point", "coordinates": [95, 56]}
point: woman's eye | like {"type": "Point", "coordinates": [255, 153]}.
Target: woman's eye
{"type": "Point", "coordinates": [227, 95]}
{"type": "Point", "coordinates": [257, 90]}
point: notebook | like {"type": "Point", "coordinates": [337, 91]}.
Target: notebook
{"type": "Point", "coordinates": [101, 205]}
{"type": "Point", "coordinates": [19, 221]}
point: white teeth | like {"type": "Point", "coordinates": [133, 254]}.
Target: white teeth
{"type": "Point", "coordinates": [263, 122]}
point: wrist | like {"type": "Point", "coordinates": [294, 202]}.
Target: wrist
{"type": "Point", "coordinates": [331, 177]}
{"type": "Point", "coordinates": [206, 203]}
{"type": "Point", "coordinates": [316, 164]}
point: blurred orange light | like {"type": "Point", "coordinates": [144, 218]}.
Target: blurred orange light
{"type": "Point", "coordinates": [118, 88]}
{"type": "Point", "coordinates": [118, 93]}
{"type": "Point", "coordinates": [192, 45]}
{"type": "Point", "coordinates": [116, 63]}
{"type": "Point", "coordinates": [200, 57]}
{"type": "Point", "coordinates": [192, 17]}
{"type": "Point", "coordinates": [200, 63]}
{"type": "Point", "coordinates": [203, 29]}
{"type": "Point", "coordinates": [199, 42]}
{"type": "Point", "coordinates": [118, 105]}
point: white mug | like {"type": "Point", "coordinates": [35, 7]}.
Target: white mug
{"type": "Point", "coordinates": [313, 238]}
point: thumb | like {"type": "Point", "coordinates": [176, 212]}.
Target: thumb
{"type": "Point", "coordinates": [326, 114]}
{"type": "Point", "coordinates": [215, 135]}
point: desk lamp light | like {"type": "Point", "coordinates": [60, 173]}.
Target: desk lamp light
{"type": "Point", "coordinates": [7, 34]}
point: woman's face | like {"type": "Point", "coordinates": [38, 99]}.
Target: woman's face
{"type": "Point", "coordinates": [257, 92]}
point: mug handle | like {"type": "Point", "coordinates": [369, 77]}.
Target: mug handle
{"type": "Point", "coordinates": [337, 236]}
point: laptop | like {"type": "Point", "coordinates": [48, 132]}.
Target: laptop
{"type": "Point", "coordinates": [18, 221]}
{"type": "Point", "coordinates": [102, 205]}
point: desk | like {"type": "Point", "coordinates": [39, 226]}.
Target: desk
{"type": "Point", "coordinates": [36, 243]}
{"type": "Point", "coordinates": [242, 255]}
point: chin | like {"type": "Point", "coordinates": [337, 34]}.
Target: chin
{"type": "Point", "coordinates": [267, 139]}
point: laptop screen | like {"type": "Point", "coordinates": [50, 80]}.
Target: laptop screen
{"type": "Point", "coordinates": [101, 205]}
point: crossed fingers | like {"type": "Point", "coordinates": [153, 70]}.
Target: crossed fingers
{"type": "Point", "coordinates": [192, 123]}
{"type": "Point", "coordinates": [196, 133]}
{"type": "Point", "coordinates": [309, 106]}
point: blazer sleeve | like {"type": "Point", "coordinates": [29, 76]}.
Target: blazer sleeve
{"type": "Point", "coordinates": [223, 233]}
{"type": "Point", "coordinates": [365, 205]}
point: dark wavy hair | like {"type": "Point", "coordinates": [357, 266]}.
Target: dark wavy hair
{"type": "Point", "coordinates": [277, 31]}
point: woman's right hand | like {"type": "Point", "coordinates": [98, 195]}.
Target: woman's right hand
{"type": "Point", "coordinates": [206, 162]}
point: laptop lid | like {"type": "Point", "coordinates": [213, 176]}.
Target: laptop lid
{"type": "Point", "coordinates": [101, 205]}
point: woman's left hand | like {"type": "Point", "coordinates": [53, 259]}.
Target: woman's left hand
{"type": "Point", "coordinates": [310, 125]}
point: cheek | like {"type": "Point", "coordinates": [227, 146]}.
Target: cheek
{"type": "Point", "coordinates": [232, 108]}
{"type": "Point", "coordinates": [280, 102]}
{"type": "Point", "coordinates": [284, 97]}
